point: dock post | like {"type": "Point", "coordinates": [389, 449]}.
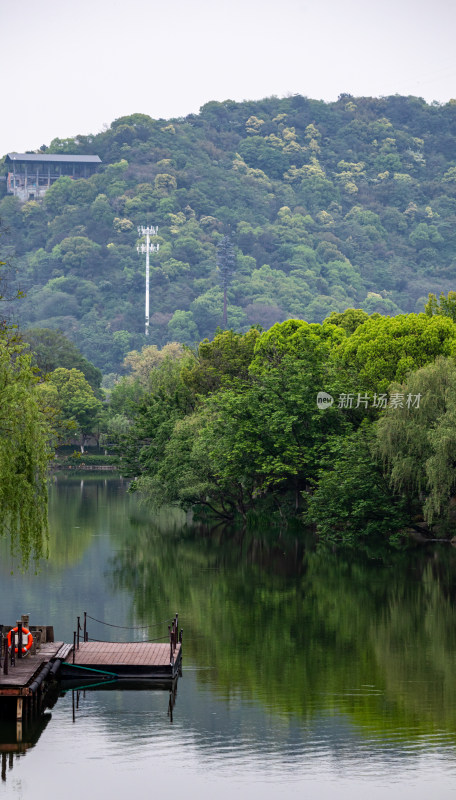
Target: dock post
{"type": "Point", "coordinates": [74, 644]}
{"type": "Point", "coordinates": [78, 629]}
{"type": "Point", "coordinates": [13, 648]}
{"type": "Point", "coordinates": [19, 638]}
{"type": "Point", "coordinates": [5, 657]}
{"type": "Point", "coordinates": [85, 626]}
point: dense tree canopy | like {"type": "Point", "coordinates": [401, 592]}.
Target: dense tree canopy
{"type": "Point", "coordinates": [237, 428]}
{"type": "Point", "coordinates": [385, 349]}
{"type": "Point", "coordinates": [75, 402]}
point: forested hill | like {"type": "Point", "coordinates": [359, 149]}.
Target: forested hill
{"type": "Point", "coordinates": [329, 206]}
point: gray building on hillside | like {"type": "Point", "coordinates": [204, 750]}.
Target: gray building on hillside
{"type": "Point", "coordinates": [31, 174]}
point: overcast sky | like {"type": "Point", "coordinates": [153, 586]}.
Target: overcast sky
{"type": "Point", "coordinates": [70, 68]}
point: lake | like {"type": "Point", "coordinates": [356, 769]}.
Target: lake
{"type": "Point", "coordinates": [329, 675]}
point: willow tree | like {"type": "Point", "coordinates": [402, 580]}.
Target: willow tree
{"type": "Point", "coordinates": [24, 451]}
{"type": "Point", "coordinates": [417, 440]}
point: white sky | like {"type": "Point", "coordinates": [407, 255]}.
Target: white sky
{"type": "Point", "coordinates": [69, 68]}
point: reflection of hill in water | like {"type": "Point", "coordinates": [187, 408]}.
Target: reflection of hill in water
{"type": "Point", "coordinates": [82, 507]}
{"type": "Point", "coordinates": [305, 633]}
{"type": "Point", "coordinates": [282, 645]}
{"type": "Point", "coordinates": [227, 733]}
{"type": "Point", "coordinates": [85, 506]}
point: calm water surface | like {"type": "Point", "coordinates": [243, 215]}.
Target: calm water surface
{"type": "Point", "coordinates": [330, 676]}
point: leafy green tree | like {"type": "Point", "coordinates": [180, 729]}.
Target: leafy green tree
{"type": "Point", "coordinates": [267, 410]}
{"type": "Point", "coordinates": [59, 194]}
{"type": "Point", "coordinates": [349, 320]}
{"type": "Point", "coordinates": [263, 155]}
{"type": "Point", "coordinates": [445, 306]}
{"type": "Point", "coordinates": [77, 402]}
{"type": "Point", "coordinates": [143, 365]}
{"type": "Point", "coordinates": [384, 349]}
{"type": "Point", "coordinates": [78, 253]}
{"type": "Point", "coordinates": [122, 341]}
{"type": "Point", "coordinates": [282, 428]}
{"type": "Point", "coordinates": [222, 362]}
{"type": "Point", "coordinates": [155, 414]}
{"type": "Point", "coordinates": [207, 311]}
{"type": "Point", "coordinates": [10, 214]}
{"type": "Point", "coordinates": [182, 328]}
{"type": "Point", "coordinates": [182, 474]}
{"type": "Point", "coordinates": [353, 501]}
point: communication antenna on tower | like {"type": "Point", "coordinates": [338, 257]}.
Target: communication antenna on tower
{"type": "Point", "coordinates": [147, 247]}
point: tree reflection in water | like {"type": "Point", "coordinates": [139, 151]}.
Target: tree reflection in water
{"type": "Point", "coordinates": [304, 631]}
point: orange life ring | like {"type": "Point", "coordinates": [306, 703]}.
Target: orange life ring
{"type": "Point", "coordinates": [25, 647]}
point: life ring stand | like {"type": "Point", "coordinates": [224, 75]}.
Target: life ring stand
{"type": "Point", "coordinates": [25, 647]}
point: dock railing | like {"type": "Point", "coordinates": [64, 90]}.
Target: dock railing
{"type": "Point", "coordinates": [175, 636]}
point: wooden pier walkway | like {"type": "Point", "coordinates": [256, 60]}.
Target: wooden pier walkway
{"type": "Point", "coordinates": [23, 677]}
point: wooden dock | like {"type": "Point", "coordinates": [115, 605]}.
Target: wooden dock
{"type": "Point", "coordinates": [124, 660]}
{"type": "Point", "coordinates": [26, 683]}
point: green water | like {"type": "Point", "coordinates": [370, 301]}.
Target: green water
{"type": "Point", "coordinates": [330, 674]}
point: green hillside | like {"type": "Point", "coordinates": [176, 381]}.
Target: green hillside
{"type": "Point", "coordinates": [328, 206]}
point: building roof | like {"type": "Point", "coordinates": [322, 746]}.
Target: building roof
{"type": "Point", "coordinates": [53, 158]}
